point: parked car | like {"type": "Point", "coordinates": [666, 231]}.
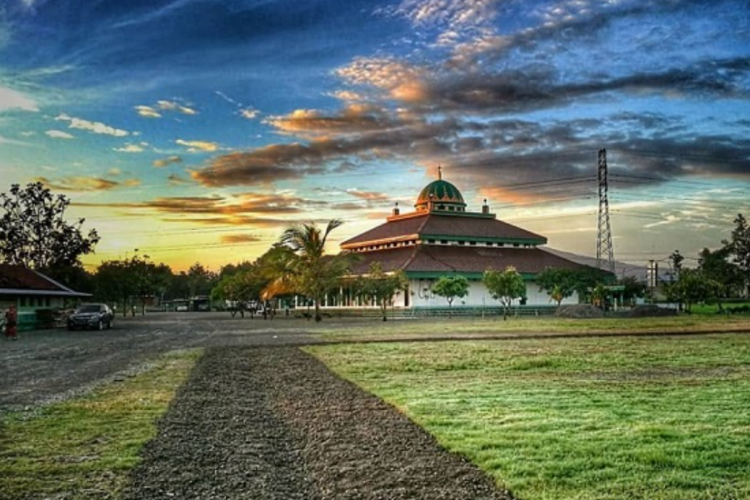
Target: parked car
{"type": "Point", "coordinates": [98, 316]}
{"type": "Point", "coordinates": [181, 308]}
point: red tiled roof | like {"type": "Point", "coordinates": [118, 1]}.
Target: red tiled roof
{"type": "Point", "coordinates": [443, 225]}
{"type": "Point", "coordinates": [19, 279]}
{"type": "Point", "coordinates": [476, 227]}
{"type": "Point", "coordinates": [463, 259]}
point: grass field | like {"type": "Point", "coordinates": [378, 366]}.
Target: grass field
{"type": "Point", "coordinates": [658, 418]}
{"type": "Point", "coordinates": [85, 447]}
{"type": "Point", "coordinates": [440, 327]}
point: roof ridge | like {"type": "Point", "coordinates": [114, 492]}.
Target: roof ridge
{"type": "Point", "coordinates": [56, 283]}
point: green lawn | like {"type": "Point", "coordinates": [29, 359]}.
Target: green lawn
{"type": "Point", "coordinates": [85, 447]}
{"type": "Point", "coordinates": [653, 418]}
{"type": "Point", "coordinates": [437, 327]}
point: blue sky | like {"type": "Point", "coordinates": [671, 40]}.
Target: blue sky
{"type": "Point", "coordinates": [197, 130]}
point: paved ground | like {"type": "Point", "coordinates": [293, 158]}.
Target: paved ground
{"type": "Point", "coordinates": [257, 418]}
{"type": "Point", "coordinates": [49, 365]}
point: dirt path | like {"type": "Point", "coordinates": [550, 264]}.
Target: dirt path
{"type": "Point", "coordinates": [274, 423]}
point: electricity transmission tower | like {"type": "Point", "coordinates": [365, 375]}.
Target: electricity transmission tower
{"type": "Point", "coordinates": [604, 252]}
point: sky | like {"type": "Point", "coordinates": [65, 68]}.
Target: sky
{"type": "Point", "coordinates": [198, 130]}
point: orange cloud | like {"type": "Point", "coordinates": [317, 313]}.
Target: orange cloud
{"type": "Point", "coordinates": [400, 80]}
{"type": "Point", "coordinates": [80, 183]}
{"type": "Point", "coordinates": [239, 238]}
{"type": "Point", "coordinates": [167, 161]}
{"type": "Point", "coordinates": [503, 195]}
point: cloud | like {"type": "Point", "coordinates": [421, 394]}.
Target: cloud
{"type": "Point", "coordinates": [132, 148]}
{"type": "Point", "coordinates": [354, 118]}
{"type": "Point", "coordinates": [147, 112]}
{"type": "Point", "coordinates": [176, 107]}
{"type": "Point", "coordinates": [156, 110]}
{"type": "Point", "coordinates": [239, 238]}
{"type": "Point", "coordinates": [399, 79]}
{"type": "Point", "coordinates": [80, 183]}
{"type": "Point", "coordinates": [198, 146]}
{"type": "Point", "coordinates": [176, 180]}
{"type": "Point", "coordinates": [94, 127]}
{"type": "Point", "coordinates": [114, 172]}
{"type": "Point", "coordinates": [13, 100]}
{"type": "Point", "coordinates": [249, 208]}
{"type": "Point", "coordinates": [368, 195]}
{"type": "Point", "coordinates": [59, 134]}
{"type": "Point", "coordinates": [167, 161]}
{"type": "Point", "coordinates": [249, 113]}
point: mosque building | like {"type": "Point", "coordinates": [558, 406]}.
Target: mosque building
{"type": "Point", "coordinates": [441, 238]}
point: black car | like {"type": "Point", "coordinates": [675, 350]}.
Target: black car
{"type": "Point", "coordinates": [98, 316]}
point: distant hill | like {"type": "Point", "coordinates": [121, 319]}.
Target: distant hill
{"type": "Point", "coordinates": [621, 268]}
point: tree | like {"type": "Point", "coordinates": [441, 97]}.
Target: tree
{"type": "Point", "coordinates": [128, 280]}
{"type": "Point", "coordinates": [450, 287]}
{"type": "Point", "coordinates": [739, 248]}
{"type": "Point", "coordinates": [716, 265]}
{"type": "Point", "coordinates": [200, 280]}
{"type": "Point", "coordinates": [693, 286]}
{"type": "Point", "coordinates": [632, 288]}
{"type": "Point", "coordinates": [559, 283]}
{"type": "Point", "coordinates": [382, 286]}
{"type": "Point", "coordinates": [505, 286]}
{"type": "Point", "coordinates": [35, 234]}
{"type": "Point", "coordinates": [306, 268]}
{"type": "Point", "coordinates": [676, 260]}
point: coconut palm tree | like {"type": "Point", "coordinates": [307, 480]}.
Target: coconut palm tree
{"type": "Point", "coordinates": [309, 270]}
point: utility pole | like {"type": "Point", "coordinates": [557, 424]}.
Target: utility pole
{"type": "Point", "coordinates": [604, 252]}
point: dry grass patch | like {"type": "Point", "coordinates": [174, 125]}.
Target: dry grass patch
{"type": "Point", "coordinates": [85, 447]}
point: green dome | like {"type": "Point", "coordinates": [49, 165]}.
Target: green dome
{"type": "Point", "coordinates": [440, 195]}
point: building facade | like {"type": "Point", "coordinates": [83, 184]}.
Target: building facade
{"type": "Point", "coordinates": [441, 238]}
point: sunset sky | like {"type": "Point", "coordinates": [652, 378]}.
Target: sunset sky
{"type": "Point", "coordinates": [198, 130]}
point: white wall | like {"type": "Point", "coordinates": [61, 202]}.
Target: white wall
{"type": "Point", "coordinates": [478, 296]}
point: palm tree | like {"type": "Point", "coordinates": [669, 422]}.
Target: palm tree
{"type": "Point", "coordinates": [309, 270]}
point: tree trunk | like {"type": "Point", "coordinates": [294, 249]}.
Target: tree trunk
{"type": "Point", "coordinates": [317, 312]}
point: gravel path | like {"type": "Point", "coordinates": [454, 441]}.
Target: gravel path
{"type": "Point", "coordinates": [274, 423]}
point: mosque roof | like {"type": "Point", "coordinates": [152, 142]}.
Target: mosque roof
{"type": "Point", "coordinates": [439, 192]}
{"type": "Point", "coordinates": [435, 226]}
{"type": "Point", "coordinates": [437, 260]}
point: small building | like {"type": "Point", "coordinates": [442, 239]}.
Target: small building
{"type": "Point", "coordinates": [441, 238]}
{"type": "Point", "coordinates": [31, 292]}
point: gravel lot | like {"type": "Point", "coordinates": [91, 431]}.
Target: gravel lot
{"type": "Point", "coordinates": [257, 418]}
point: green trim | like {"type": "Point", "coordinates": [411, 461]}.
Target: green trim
{"type": "Point", "coordinates": [520, 241]}
{"type": "Point", "coordinates": [473, 215]}
{"type": "Point", "coordinates": [477, 276]}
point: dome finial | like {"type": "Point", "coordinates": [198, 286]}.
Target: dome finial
{"type": "Point", "coordinates": [440, 172]}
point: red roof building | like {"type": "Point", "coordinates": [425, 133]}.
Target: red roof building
{"type": "Point", "coordinates": [441, 238]}
{"type": "Point", "coordinates": [30, 291]}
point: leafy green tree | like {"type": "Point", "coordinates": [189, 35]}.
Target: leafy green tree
{"type": "Point", "coordinates": [35, 234]}
{"type": "Point", "coordinates": [718, 266]}
{"type": "Point", "coordinates": [693, 286]}
{"type": "Point", "coordinates": [505, 286]}
{"type": "Point", "coordinates": [632, 288]}
{"type": "Point", "coordinates": [739, 248]}
{"type": "Point", "coordinates": [450, 287]}
{"type": "Point", "coordinates": [382, 286]}
{"type": "Point", "coordinates": [599, 296]}
{"type": "Point", "coordinates": [676, 260]}
{"type": "Point", "coordinates": [114, 283]}
{"type": "Point", "coordinates": [306, 268]}
{"type": "Point", "coordinates": [559, 283]}
{"type": "Point", "coordinates": [132, 280]}
{"type": "Point", "coordinates": [200, 280]}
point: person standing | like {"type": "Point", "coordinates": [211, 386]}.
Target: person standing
{"type": "Point", "coordinates": [11, 323]}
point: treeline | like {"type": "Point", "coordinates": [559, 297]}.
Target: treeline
{"type": "Point", "coordinates": [721, 274]}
